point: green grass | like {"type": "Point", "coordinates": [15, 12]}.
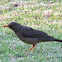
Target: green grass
{"type": "Point", "coordinates": [38, 15]}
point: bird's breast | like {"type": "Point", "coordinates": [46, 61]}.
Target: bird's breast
{"type": "Point", "coordinates": [28, 40]}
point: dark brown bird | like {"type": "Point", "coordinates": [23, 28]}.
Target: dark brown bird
{"type": "Point", "coordinates": [29, 35]}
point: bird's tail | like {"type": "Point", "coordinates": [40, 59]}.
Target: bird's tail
{"type": "Point", "coordinates": [58, 40]}
{"type": "Point", "coordinates": [50, 38]}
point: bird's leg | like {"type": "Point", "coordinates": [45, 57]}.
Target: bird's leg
{"type": "Point", "coordinates": [31, 48]}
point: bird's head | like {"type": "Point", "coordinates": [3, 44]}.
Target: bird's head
{"type": "Point", "coordinates": [14, 26]}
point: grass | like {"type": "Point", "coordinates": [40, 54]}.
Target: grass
{"type": "Point", "coordinates": [38, 15]}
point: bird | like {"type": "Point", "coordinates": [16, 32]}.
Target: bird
{"type": "Point", "coordinates": [30, 35]}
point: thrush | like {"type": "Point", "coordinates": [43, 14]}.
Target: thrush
{"type": "Point", "coordinates": [29, 35]}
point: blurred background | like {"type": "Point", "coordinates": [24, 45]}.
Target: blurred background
{"type": "Point", "coordinates": [43, 15]}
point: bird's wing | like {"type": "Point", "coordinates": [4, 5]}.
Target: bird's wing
{"type": "Point", "coordinates": [29, 32]}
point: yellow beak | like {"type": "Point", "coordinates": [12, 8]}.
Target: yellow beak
{"type": "Point", "coordinates": [5, 26]}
